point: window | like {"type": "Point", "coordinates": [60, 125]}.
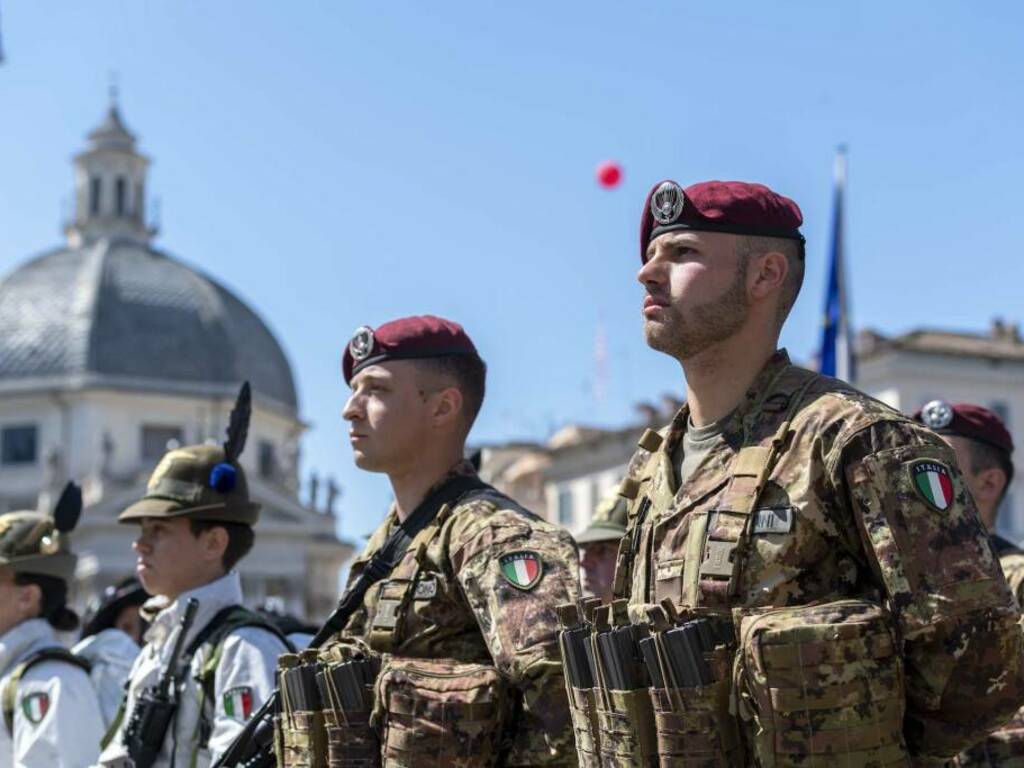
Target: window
{"type": "Point", "coordinates": [120, 195]}
{"type": "Point", "coordinates": [157, 440]}
{"type": "Point", "coordinates": [94, 195]}
{"type": "Point", "coordinates": [19, 444]}
{"type": "Point", "coordinates": [268, 460]}
{"type": "Point", "coordinates": [565, 510]}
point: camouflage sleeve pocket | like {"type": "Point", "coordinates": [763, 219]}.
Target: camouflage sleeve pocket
{"type": "Point", "coordinates": [921, 527]}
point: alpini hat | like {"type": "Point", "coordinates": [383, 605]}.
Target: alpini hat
{"type": "Point", "coordinates": [34, 542]}
{"type": "Point", "coordinates": [202, 482]}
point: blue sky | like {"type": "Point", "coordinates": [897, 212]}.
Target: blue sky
{"type": "Point", "coordinates": [340, 164]}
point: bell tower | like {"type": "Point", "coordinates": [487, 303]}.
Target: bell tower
{"type": "Point", "coordinates": [110, 185]}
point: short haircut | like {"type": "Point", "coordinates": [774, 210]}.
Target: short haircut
{"type": "Point", "coordinates": [53, 603]}
{"type": "Point", "coordinates": [748, 246]}
{"type": "Point", "coordinates": [240, 539]}
{"type": "Point", "coordinates": [469, 375]}
{"type": "Point", "coordinates": [982, 456]}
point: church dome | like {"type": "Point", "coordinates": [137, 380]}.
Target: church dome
{"type": "Point", "coordinates": [110, 310]}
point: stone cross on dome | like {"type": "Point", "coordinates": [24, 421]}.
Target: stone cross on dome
{"type": "Point", "coordinates": [110, 185]}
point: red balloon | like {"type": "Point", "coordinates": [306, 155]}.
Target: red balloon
{"type": "Point", "coordinates": [609, 174]}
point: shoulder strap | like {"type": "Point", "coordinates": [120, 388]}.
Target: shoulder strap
{"type": "Point", "coordinates": [387, 557]}
{"type": "Point", "coordinates": [216, 631]}
{"type": "Point", "coordinates": [10, 691]}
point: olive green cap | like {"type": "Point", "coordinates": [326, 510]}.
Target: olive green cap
{"type": "Point", "coordinates": [608, 522]}
{"type": "Point", "coordinates": [202, 482]}
{"type": "Point", "coordinates": [34, 542]}
{"type": "Point", "coordinates": [196, 482]}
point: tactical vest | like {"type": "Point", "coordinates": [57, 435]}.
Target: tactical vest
{"type": "Point", "coordinates": [717, 540]}
{"type": "Point", "coordinates": [10, 691]}
{"type": "Point", "coordinates": [807, 683]}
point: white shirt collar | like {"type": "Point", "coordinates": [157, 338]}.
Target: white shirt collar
{"type": "Point", "coordinates": [212, 597]}
{"type": "Point", "coordinates": [16, 642]}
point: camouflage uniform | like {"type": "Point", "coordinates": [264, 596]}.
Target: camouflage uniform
{"type": "Point", "coordinates": [839, 517]}
{"type": "Point", "coordinates": [1004, 746]}
{"type": "Point", "coordinates": [462, 607]}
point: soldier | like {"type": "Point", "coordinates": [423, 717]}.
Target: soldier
{"type": "Point", "coordinates": [479, 584]}
{"type": "Point", "coordinates": [984, 450]}
{"type": "Point", "coordinates": [777, 488]}
{"type": "Point", "coordinates": [599, 544]}
{"type": "Point", "coordinates": [195, 525]}
{"type": "Point", "coordinates": [51, 715]}
{"type": "Point", "coordinates": [110, 638]}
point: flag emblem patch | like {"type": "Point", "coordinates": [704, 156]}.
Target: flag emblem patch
{"type": "Point", "coordinates": [933, 483]}
{"type": "Point", "coordinates": [238, 703]}
{"type": "Point", "coordinates": [35, 706]}
{"type": "Point", "coordinates": [521, 569]}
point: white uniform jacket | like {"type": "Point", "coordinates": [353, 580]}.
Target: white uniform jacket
{"type": "Point", "coordinates": [243, 680]}
{"type": "Point", "coordinates": [56, 713]}
{"type": "Point", "coordinates": [111, 654]}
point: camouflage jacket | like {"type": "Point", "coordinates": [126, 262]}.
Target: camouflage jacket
{"type": "Point", "coordinates": [1004, 746]}
{"type": "Point", "coordinates": [840, 515]}
{"type": "Point", "coordinates": [1011, 559]}
{"type": "Point", "coordinates": [458, 603]}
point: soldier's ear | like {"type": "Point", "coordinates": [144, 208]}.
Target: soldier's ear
{"type": "Point", "coordinates": [448, 407]}
{"type": "Point", "coordinates": [767, 274]}
{"type": "Point", "coordinates": [214, 543]}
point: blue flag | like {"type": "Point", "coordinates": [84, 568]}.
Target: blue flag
{"type": "Point", "coordinates": [836, 336]}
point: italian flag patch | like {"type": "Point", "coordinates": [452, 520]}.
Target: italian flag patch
{"type": "Point", "coordinates": [238, 703]}
{"type": "Point", "coordinates": [933, 483]}
{"type": "Point", "coordinates": [35, 706]}
{"type": "Point", "coordinates": [521, 569]}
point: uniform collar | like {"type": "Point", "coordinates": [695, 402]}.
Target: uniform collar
{"type": "Point", "coordinates": [745, 412]}
{"type": "Point", "coordinates": [461, 468]}
{"type": "Point", "coordinates": [20, 639]}
{"type": "Point", "coordinates": [212, 597]}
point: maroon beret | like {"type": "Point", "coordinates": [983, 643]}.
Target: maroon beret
{"type": "Point", "coordinates": [407, 338]}
{"type": "Point", "coordinates": [736, 207]}
{"type": "Point", "coordinates": [966, 420]}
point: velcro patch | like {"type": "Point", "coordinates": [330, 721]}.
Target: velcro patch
{"type": "Point", "coordinates": [522, 569]}
{"type": "Point", "coordinates": [238, 703]}
{"type": "Point", "coordinates": [426, 588]}
{"type": "Point", "coordinates": [773, 520]}
{"type": "Point", "coordinates": [35, 706]}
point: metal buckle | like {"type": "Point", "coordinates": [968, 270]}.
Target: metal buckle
{"type": "Point", "coordinates": [718, 558]}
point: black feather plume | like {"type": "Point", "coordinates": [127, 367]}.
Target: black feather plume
{"type": "Point", "coordinates": [238, 424]}
{"type": "Point", "coordinates": [68, 509]}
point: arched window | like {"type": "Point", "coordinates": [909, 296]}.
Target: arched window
{"type": "Point", "coordinates": [120, 195]}
{"type": "Point", "coordinates": [94, 195]}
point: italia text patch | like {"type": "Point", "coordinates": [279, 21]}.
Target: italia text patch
{"type": "Point", "coordinates": [933, 483]}
{"type": "Point", "coordinates": [521, 569]}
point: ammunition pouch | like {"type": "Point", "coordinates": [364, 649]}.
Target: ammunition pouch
{"type": "Point", "coordinates": [303, 740]}
{"type": "Point", "coordinates": [626, 723]}
{"type": "Point", "coordinates": [347, 674]}
{"type": "Point", "coordinates": [583, 711]}
{"type": "Point", "coordinates": [690, 657]}
{"type": "Point", "coordinates": [821, 683]}
{"type": "Point", "coordinates": [441, 713]}
{"type": "Point", "coordinates": [299, 732]}
{"type": "Point", "coordinates": [694, 726]}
